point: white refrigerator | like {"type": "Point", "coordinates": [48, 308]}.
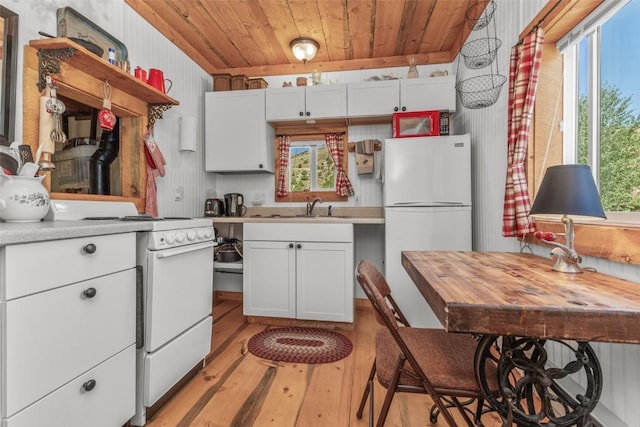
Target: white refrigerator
{"type": "Point", "coordinates": [427, 206]}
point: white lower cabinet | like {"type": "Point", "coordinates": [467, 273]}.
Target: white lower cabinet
{"type": "Point", "coordinates": [68, 338]}
{"type": "Point", "coordinates": [302, 271]}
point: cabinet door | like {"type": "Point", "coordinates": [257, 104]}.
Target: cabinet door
{"type": "Point", "coordinates": [429, 93]}
{"type": "Point", "coordinates": [368, 99]}
{"type": "Point", "coordinates": [285, 103]}
{"type": "Point", "coordinates": [268, 280]}
{"type": "Point", "coordinates": [325, 281]}
{"type": "Point", "coordinates": [328, 101]}
{"type": "Point", "coordinates": [238, 139]}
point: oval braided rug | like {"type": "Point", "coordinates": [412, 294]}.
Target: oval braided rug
{"type": "Point", "coordinates": [300, 345]}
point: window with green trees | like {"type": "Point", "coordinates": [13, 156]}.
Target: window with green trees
{"type": "Point", "coordinates": [311, 167]}
{"type": "Point", "coordinates": [604, 132]}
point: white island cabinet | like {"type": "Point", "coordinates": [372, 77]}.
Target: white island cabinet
{"type": "Point", "coordinates": [237, 136]}
{"type": "Point", "coordinates": [68, 332]}
{"type": "Point", "coordinates": [383, 98]}
{"type": "Point", "coordinates": [297, 270]}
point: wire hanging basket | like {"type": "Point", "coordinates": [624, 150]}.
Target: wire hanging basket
{"type": "Point", "coordinates": [480, 53]}
{"type": "Point", "coordinates": [480, 14]}
{"type": "Point", "coordinates": [481, 91]}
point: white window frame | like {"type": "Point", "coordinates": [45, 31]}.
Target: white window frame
{"type": "Point", "coordinates": [569, 47]}
{"type": "Point", "coordinates": [313, 163]}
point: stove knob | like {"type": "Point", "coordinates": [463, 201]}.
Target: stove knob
{"type": "Point", "coordinates": [191, 235]}
{"type": "Point", "coordinates": [208, 232]}
{"type": "Point", "coordinates": [170, 238]}
{"type": "Point", "coordinates": [201, 234]}
{"type": "Point", "coordinates": [180, 237]}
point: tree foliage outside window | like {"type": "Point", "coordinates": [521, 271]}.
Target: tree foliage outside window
{"type": "Point", "coordinates": [311, 168]}
{"type": "Point", "coordinates": [619, 149]}
{"type": "Point", "coordinates": [607, 126]}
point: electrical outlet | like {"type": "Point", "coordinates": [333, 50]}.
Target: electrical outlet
{"type": "Point", "coordinates": [179, 194]}
{"type": "Point", "coordinates": [356, 201]}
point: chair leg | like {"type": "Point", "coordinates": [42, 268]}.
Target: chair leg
{"type": "Point", "coordinates": [478, 420]}
{"type": "Point", "coordinates": [391, 390]}
{"type": "Point", "coordinates": [371, 403]}
{"type": "Point", "coordinates": [365, 394]}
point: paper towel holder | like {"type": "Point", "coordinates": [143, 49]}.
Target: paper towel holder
{"type": "Point", "coordinates": [188, 133]}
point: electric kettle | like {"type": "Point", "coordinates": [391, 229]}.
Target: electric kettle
{"type": "Point", "coordinates": [214, 207]}
{"type": "Point", "coordinates": [234, 204]}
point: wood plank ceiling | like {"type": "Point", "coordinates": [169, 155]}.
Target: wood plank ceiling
{"type": "Point", "coordinates": [252, 37]}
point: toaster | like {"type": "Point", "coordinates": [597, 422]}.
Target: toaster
{"type": "Point", "coordinates": [214, 207]}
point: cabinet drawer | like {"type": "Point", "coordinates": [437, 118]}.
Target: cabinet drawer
{"type": "Point", "coordinates": [35, 267]}
{"type": "Point", "coordinates": [110, 403]}
{"type": "Point", "coordinates": [52, 337]}
{"type": "Point", "coordinates": [165, 367]}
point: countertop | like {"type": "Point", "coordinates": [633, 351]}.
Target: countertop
{"type": "Point", "coordinates": [28, 232]}
{"type": "Point", "coordinates": [373, 215]}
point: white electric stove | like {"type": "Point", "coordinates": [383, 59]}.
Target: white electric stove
{"type": "Point", "coordinates": [174, 297]}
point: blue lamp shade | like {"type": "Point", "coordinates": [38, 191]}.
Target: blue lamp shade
{"type": "Point", "coordinates": [568, 190]}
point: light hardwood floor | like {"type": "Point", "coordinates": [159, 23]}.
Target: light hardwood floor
{"type": "Point", "coordinates": [237, 389]}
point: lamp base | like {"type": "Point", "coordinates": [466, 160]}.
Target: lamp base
{"type": "Point", "coordinates": [564, 263]}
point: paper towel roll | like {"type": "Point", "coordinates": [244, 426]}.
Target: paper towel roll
{"type": "Point", "coordinates": [46, 126]}
{"type": "Point", "coordinates": [188, 140]}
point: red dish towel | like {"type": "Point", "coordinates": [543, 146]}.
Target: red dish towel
{"type": "Point", "coordinates": [155, 168]}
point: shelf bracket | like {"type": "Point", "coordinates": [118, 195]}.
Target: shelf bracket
{"type": "Point", "coordinates": [155, 112]}
{"type": "Point", "coordinates": [49, 63]}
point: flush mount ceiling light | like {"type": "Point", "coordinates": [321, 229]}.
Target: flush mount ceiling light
{"type": "Point", "coordinates": [304, 48]}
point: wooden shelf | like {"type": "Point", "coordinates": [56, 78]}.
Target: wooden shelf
{"type": "Point", "coordinates": [82, 59]}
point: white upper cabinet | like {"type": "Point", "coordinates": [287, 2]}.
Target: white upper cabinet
{"type": "Point", "coordinates": [306, 102]}
{"type": "Point", "coordinates": [383, 98]}
{"type": "Point", "coordinates": [238, 139]}
{"type": "Point", "coordinates": [377, 98]}
{"type": "Point", "coordinates": [429, 93]}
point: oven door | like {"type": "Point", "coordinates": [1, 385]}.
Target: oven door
{"type": "Point", "coordinates": [178, 291]}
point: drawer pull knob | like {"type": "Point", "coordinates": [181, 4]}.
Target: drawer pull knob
{"type": "Point", "coordinates": [298, 246]}
{"type": "Point", "coordinates": [89, 385]}
{"type": "Point", "coordinates": [90, 292]}
{"type": "Point", "coordinates": [291, 245]}
{"type": "Point", "coordinates": [90, 248]}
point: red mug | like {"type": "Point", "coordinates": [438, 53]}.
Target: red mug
{"type": "Point", "coordinates": [156, 79]}
{"type": "Point", "coordinates": [140, 74]}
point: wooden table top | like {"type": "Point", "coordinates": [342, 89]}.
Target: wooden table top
{"type": "Point", "coordinates": [517, 294]}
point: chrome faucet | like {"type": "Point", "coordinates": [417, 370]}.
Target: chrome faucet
{"type": "Point", "coordinates": [311, 205]}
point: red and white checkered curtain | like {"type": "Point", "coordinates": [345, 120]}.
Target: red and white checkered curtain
{"type": "Point", "coordinates": [283, 163]}
{"type": "Point", "coordinates": [335, 145]}
{"type": "Point", "coordinates": [523, 80]}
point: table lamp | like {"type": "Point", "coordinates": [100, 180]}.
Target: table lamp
{"type": "Point", "coordinates": [567, 191]}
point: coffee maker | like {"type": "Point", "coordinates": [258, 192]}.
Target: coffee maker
{"type": "Point", "coordinates": [234, 204]}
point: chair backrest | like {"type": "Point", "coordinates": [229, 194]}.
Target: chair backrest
{"type": "Point", "coordinates": [379, 283]}
{"type": "Point", "coordinates": [367, 275]}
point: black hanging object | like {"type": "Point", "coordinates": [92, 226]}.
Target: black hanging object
{"type": "Point", "coordinates": [107, 152]}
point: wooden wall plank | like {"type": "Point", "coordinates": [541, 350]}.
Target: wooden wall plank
{"type": "Point", "coordinates": [177, 29]}
{"type": "Point", "coordinates": [335, 29]}
{"type": "Point", "coordinates": [361, 28]}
